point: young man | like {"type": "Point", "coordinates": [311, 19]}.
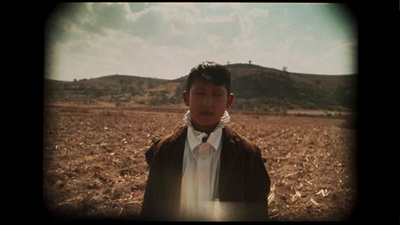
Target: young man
{"type": "Point", "coordinates": [205, 170]}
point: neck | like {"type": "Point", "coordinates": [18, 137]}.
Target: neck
{"type": "Point", "coordinates": [205, 129]}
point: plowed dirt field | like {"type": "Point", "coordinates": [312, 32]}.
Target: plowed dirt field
{"type": "Point", "coordinates": [94, 164]}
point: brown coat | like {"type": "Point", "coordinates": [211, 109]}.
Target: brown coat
{"type": "Point", "coordinates": [243, 181]}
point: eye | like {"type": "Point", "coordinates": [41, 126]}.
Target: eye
{"type": "Point", "coordinates": [217, 94]}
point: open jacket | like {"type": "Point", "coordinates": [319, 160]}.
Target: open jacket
{"type": "Point", "coordinates": [244, 183]}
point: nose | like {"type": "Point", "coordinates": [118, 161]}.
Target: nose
{"type": "Point", "coordinates": [207, 101]}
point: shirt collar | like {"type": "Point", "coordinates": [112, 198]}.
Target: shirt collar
{"type": "Point", "coordinates": [223, 121]}
{"type": "Point", "coordinates": [195, 138]}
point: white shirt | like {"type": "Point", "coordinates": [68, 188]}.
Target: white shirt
{"type": "Point", "coordinates": [189, 207]}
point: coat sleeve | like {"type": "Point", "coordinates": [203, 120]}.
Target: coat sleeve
{"type": "Point", "coordinates": [151, 152]}
{"type": "Point", "coordinates": [148, 199]}
{"type": "Point", "coordinates": [152, 203]}
{"type": "Point", "coordinates": [248, 184]}
{"type": "Point", "coordinates": [257, 188]}
{"type": "Point", "coordinates": [260, 188]}
{"type": "Point", "coordinates": [248, 187]}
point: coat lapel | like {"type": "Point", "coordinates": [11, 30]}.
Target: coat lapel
{"type": "Point", "coordinates": [174, 157]}
{"type": "Point", "coordinates": [229, 155]}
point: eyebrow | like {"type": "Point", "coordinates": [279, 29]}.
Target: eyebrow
{"type": "Point", "coordinates": [216, 89]}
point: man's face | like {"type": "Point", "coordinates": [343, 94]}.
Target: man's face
{"type": "Point", "coordinates": [207, 103]}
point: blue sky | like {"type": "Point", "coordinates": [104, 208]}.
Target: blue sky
{"type": "Point", "coordinates": [165, 40]}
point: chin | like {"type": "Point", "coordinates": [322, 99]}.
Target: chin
{"type": "Point", "coordinates": [206, 122]}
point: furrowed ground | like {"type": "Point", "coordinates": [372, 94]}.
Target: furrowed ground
{"type": "Point", "coordinates": [94, 164]}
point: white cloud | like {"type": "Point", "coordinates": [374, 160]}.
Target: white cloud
{"type": "Point", "coordinates": [257, 13]}
{"type": "Point", "coordinates": [166, 40]}
{"type": "Point", "coordinates": [342, 57]}
{"type": "Point", "coordinates": [286, 45]}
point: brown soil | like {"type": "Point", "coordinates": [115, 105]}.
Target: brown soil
{"type": "Point", "coordinates": [94, 163]}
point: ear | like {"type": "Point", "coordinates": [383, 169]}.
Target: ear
{"type": "Point", "coordinates": [229, 101]}
{"type": "Point", "coordinates": [185, 97]}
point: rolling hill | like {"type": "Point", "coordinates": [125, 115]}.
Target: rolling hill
{"type": "Point", "coordinates": [255, 88]}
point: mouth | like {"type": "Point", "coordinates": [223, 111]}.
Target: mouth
{"type": "Point", "coordinates": [206, 113]}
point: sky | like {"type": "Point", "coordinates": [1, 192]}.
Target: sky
{"type": "Point", "coordinates": [166, 40]}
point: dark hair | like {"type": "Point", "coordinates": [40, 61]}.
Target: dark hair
{"type": "Point", "coordinates": [210, 72]}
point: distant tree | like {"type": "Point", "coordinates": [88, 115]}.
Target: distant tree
{"type": "Point", "coordinates": [97, 93]}
{"type": "Point", "coordinates": [284, 69]}
{"type": "Point", "coordinates": [133, 91]}
{"type": "Point", "coordinates": [139, 84]}
{"type": "Point", "coordinates": [124, 89]}
{"type": "Point", "coordinates": [150, 85]}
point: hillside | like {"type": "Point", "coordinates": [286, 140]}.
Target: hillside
{"type": "Point", "coordinates": [266, 88]}
{"type": "Point", "coordinates": [255, 87]}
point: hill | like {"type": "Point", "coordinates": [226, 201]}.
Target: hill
{"type": "Point", "coordinates": [255, 88]}
{"type": "Point", "coordinates": [261, 87]}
